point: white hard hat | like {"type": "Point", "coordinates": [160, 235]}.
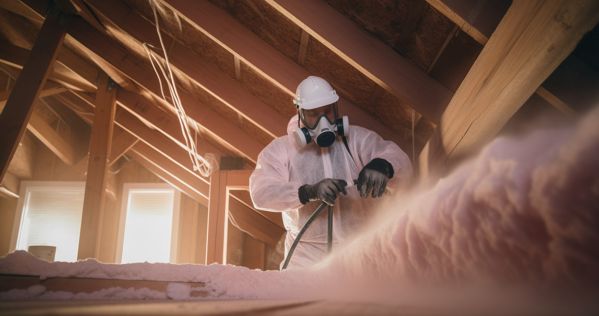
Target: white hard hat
{"type": "Point", "coordinates": [314, 92]}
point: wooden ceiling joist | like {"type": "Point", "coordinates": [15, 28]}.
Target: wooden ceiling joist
{"type": "Point", "coordinates": [281, 71]}
{"type": "Point", "coordinates": [204, 74]}
{"type": "Point", "coordinates": [162, 165]}
{"type": "Point", "coordinates": [533, 38]}
{"type": "Point", "coordinates": [110, 55]}
{"type": "Point", "coordinates": [9, 185]}
{"type": "Point", "coordinates": [50, 88]}
{"type": "Point", "coordinates": [191, 181]}
{"type": "Point", "coordinates": [62, 76]}
{"type": "Point", "coordinates": [134, 68]}
{"type": "Point", "coordinates": [243, 196]}
{"type": "Point", "coordinates": [167, 176]}
{"type": "Point", "coordinates": [61, 147]}
{"type": "Point", "coordinates": [99, 152]}
{"type": "Point", "coordinates": [14, 118]}
{"type": "Point", "coordinates": [489, 15]}
{"type": "Point", "coordinates": [367, 54]}
{"type": "Point", "coordinates": [161, 119]}
{"type": "Point", "coordinates": [122, 141]}
{"type": "Point", "coordinates": [130, 124]}
{"type": "Point", "coordinates": [252, 223]}
{"type": "Point", "coordinates": [42, 129]}
{"type": "Point", "coordinates": [459, 20]}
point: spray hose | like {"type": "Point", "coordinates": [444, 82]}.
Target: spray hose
{"type": "Point", "coordinates": [312, 217]}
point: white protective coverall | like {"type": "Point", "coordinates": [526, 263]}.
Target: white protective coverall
{"type": "Point", "coordinates": [283, 166]}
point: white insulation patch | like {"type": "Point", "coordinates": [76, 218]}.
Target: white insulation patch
{"type": "Point", "coordinates": [221, 281]}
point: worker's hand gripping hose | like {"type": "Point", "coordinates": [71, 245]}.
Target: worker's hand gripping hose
{"type": "Point", "coordinates": [312, 217]}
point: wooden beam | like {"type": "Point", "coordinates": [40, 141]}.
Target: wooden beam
{"type": "Point", "coordinates": [219, 127]}
{"type": "Point", "coordinates": [556, 102]}
{"type": "Point", "coordinates": [9, 185]}
{"type": "Point", "coordinates": [221, 183]}
{"type": "Point", "coordinates": [301, 55]}
{"type": "Point", "coordinates": [122, 141]}
{"type": "Point", "coordinates": [113, 58]}
{"type": "Point", "coordinates": [50, 138]}
{"type": "Point", "coordinates": [216, 241]}
{"type": "Point", "coordinates": [14, 56]}
{"type": "Point", "coordinates": [169, 151]}
{"type": "Point", "coordinates": [530, 42]}
{"type": "Point", "coordinates": [252, 223]}
{"type": "Point", "coordinates": [38, 126]}
{"type": "Point", "coordinates": [243, 196]}
{"type": "Point", "coordinates": [175, 171]}
{"type": "Point", "coordinates": [281, 71]}
{"type": "Point", "coordinates": [50, 88]}
{"type": "Point", "coordinates": [159, 119]}
{"type": "Point", "coordinates": [459, 20]}
{"type": "Point", "coordinates": [99, 152]}
{"type": "Point", "coordinates": [367, 54]}
{"type": "Point", "coordinates": [487, 14]}
{"type": "Point", "coordinates": [10, 282]}
{"type": "Point", "coordinates": [15, 116]}
{"type": "Point", "coordinates": [170, 158]}
{"type": "Point", "coordinates": [169, 169]}
{"type": "Point", "coordinates": [206, 75]}
{"type": "Point", "coordinates": [238, 179]}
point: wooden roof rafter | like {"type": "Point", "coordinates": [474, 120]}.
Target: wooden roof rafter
{"type": "Point", "coordinates": [482, 37]}
{"type": "Point", "coordinates": [102, 47]}
{"type": "Point", "coordinates": [150, 137]}
{"type": "Point", "coordinates": [163, 129]}
{"type": "Point", "coordinates": [370, 56]}
{"type": "Point", "coordinates": [204, 74]}
{"type": "Point", "coordinates": [15, 116]}
{"type": "Point", "coordinates": [41, 128]}
{"type": "Point", "coordinates": [283, 72]}
{"type": "Point", "coordinates": [507, 72]}
{"type": "Point", "coordinates": [167, 162]}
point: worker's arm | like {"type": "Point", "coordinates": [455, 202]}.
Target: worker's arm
{"type": "Point", "coordinates": [270, 187]}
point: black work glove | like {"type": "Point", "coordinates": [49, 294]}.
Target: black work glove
{"type": "Point", "coordinates": [373, 178]}
{"type": "Point", "coordinates": [325, 190]}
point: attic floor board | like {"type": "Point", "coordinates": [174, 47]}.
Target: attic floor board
{"type": "Point", "coordinates": [232, 307]}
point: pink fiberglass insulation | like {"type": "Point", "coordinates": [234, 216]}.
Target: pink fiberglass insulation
{"type": "Point", "coordinates": [524, 211]}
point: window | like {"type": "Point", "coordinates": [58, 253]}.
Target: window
{"type": "Point", "coordinates": [148, 223]}
{"type": "Point", "coordinates": [50, 215]}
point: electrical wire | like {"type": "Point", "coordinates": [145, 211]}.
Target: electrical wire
{"type": "Point", "coordinates": [161, 66]}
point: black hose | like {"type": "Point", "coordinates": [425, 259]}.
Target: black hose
{"type": "Point", "coordinates": [305, 227]}
{"type": "Point", "coordinates": [330, 231]}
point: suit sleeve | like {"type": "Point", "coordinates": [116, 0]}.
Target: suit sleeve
{"type": "Point", "coordinates": [270, 187]}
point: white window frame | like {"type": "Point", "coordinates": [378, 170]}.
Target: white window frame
{"type": "Point", "coordinates": [127, 187]}
{"type": "Point", "coordinates": [24, 189]}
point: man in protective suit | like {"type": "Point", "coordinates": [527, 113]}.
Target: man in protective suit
{"type": "Point", "coordinates": [317, 161]}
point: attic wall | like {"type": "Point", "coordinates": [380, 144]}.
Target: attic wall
{"type": "Point", "coordinates": [243, 250]}
{"type": "Point", "coordinates": [35, 162]}
{"type": "Point", "coordinates": [8, 207]}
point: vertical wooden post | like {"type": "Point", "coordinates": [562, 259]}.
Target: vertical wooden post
{"type": "Point", "coordinates": [15, 116]}
{"type": "Point", "coordinates": [99, 152]}
{"type": "Point", "coordinates": [216, 241]}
